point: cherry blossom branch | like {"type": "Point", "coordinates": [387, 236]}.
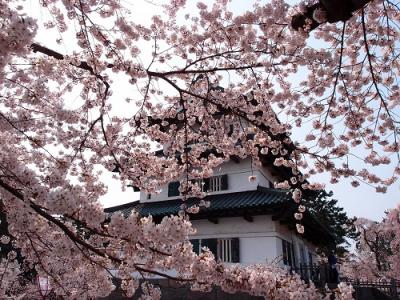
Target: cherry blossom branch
{"type": "Point", "coordinates": [44, 268]}
{"type": "Point", "coordinates": [2, 275]}
{"type": "Point", "coordinates": [374, 81]}
{"type": "Point", "coordinates": [49, 52]}
{"type": "Point", "coordinates": [84, 66]}
{"type": "Point", "coordinates": [338, 72]}
{"type": "Point", "coordinates": [52, 219]}
{"type": "Point", "coordinates": [86, 136]}
{"type": "Point", "coordinates": [107, 235]}
{"type": "Point", "coordinates": [73, 237]}
{"type": "Point", "coordinates": [220, 107]}
{"type": "Point", "coordinates": [371, 68]}
{"type": "Point", "coordinates": [212, 70]}
{"type": "Point", "coordinates": [211, 57]}
{"type": "Point", "coordinates": [32, 140]}
{"type": "Point", "coordinates": [228, 110]}
{"type": "Point", "coordinates": [165, 75]}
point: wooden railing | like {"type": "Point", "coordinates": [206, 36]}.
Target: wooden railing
{"type": "Point", "coordinates": [323, 274]}
{"type": "Point", "coordinates": [390, 287]}
{"type": "Point", "coordinates": [318, 274]}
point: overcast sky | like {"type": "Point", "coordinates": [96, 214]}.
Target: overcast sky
{"type": "Point", "coordinates": [361, 202]}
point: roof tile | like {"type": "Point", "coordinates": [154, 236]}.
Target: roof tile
{"type": "Point", "coordinates": [260, 198]}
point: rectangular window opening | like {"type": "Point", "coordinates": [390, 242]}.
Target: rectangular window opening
{"type": "Point", "coordinates": [211, 184]}
{"type": "Point", "coordinates": [224, 250]}
{"type": "Point", "coordinates": [288, 254]}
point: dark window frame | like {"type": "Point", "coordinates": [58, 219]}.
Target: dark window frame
{"type": "Point", "coordinates": [216, 246]}
{"type": "Point", "coordinates": [288, 256]}
{"type": "Point", "coordinates": [173, 187]}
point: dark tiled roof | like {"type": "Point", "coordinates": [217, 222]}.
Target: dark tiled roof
{"type": "Point", "coordinates": [260, 199]}
{"type": "Point", "coordinates": [125, 209]}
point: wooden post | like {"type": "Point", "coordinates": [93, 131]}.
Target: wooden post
{"type": "Point", "coordinates": [393, 289]}
{"type": "Point", "coordinates": [357, 288]}
{"type": "Point", "coordinates": [323, 272]}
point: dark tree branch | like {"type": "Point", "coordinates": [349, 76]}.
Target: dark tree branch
{"type": "Point", "coordinates": [336, 10]}
{"type": "Point", "coordinates": [44, 50]}
{"type": "Point", "coordinates": [338, 73]}
{"type": "Point", "coordinates": [82, 65]}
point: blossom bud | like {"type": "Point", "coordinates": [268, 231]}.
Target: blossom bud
{"type": "Point", "coordinates": [252, 178]}
{"type": "Point", "coordinates": [298, 216]}
{"type": "Point", "coordinates": [302, 208]}
{"type": "Point", "coordinates": [300, 228]}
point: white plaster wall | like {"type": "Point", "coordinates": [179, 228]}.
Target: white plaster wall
{"type": "Point", "coordinates": [261, 249]}
{"type": "Point", "coordinates": [238, 226]}
{"type": "Point", "coordinates": [238, 180]}
{"type": "Point", "coordinates": [257, 240]}
{"type": "Point", "coordinates": [266, 173]}
{"type": "Point", "coordinates": [284, 233]}
{"type": "Point", "coordinates": [308, 247]}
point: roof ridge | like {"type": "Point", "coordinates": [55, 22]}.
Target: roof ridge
{"type": "Point", "coordinates": [274, 190]}
{"type": "Point", "coordinates": [121, 206]}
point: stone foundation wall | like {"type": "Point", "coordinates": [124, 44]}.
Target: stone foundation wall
{"type": "Point", "coordinates": [172, 291]}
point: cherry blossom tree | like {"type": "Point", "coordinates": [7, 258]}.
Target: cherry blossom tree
{"type": "Point", "coordinates": [392, 226]}
{"type": "Point", "coordinates": [377, 249]}
{"type": "Point", "coordinates": [237, 84]}
{"type": "Point", "coordinates": [370, 260]}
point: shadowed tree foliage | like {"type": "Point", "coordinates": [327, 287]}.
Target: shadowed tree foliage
{"type": "Point", "coordinates": [333, 217]}
{"type": "Point", "coordinates": [28, 273]}
{"type": "Point", "coordinates": [4, 248]}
